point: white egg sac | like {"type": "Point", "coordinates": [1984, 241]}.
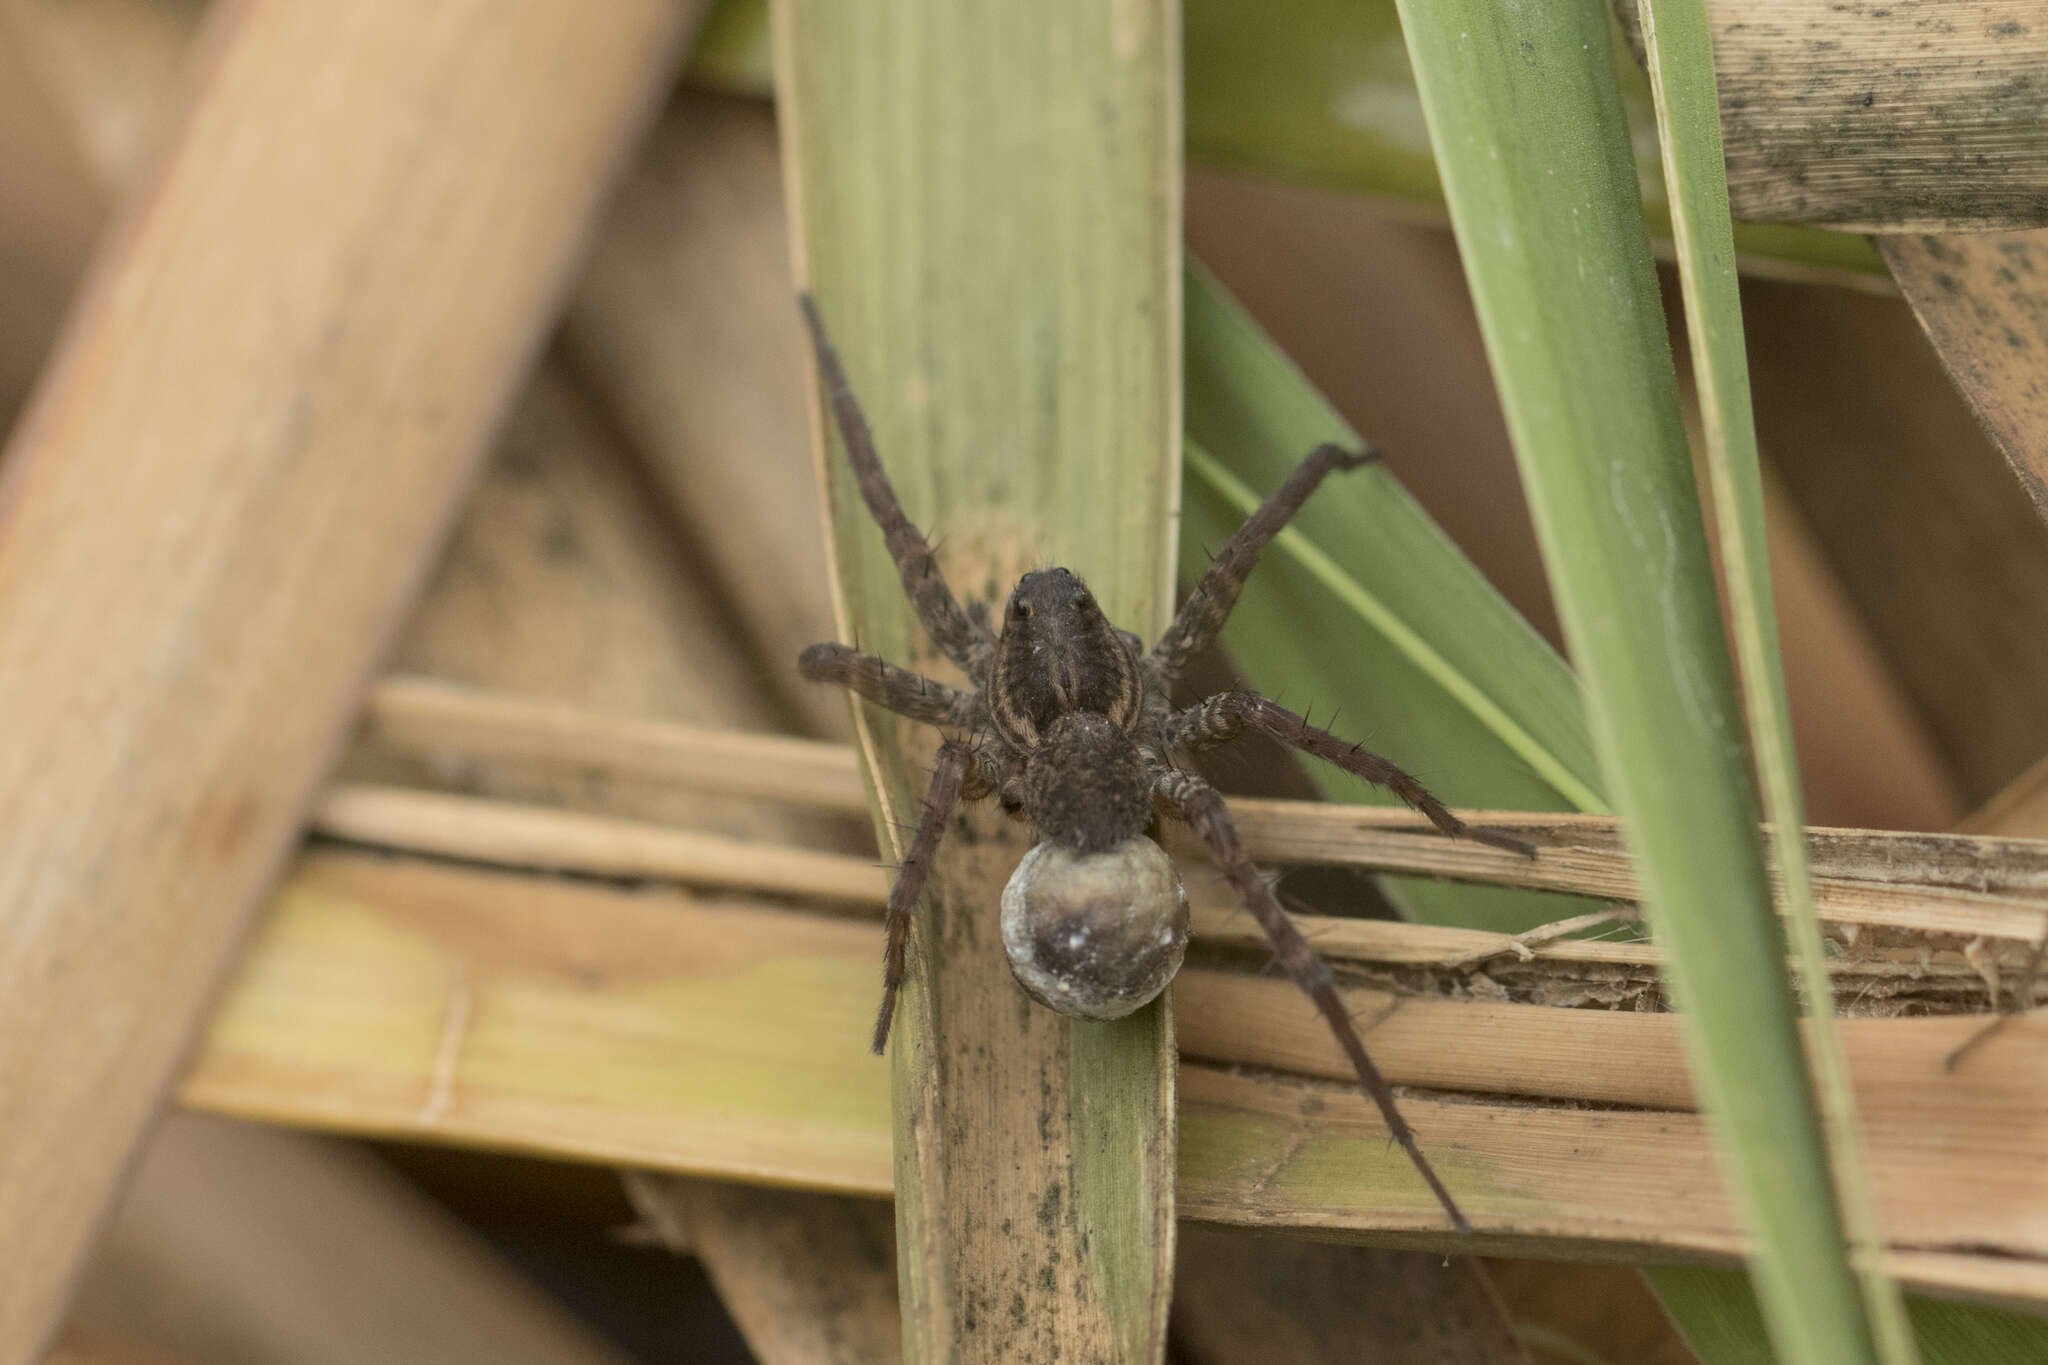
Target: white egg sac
{"type": "Point", "coordinates": [1095, 935]}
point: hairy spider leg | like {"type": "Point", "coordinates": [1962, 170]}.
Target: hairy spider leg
{"type": "Point", "coordinates": [883, 683]}
{"type": "Point", "coordinates": [1198, 805]}
{"type": "Point", "coordinates": [1196, 625]}
{"type": "Point", "coordinates": [962, 639]}
{"type": "Point", "coordinates": [1223, 717]}
{"type": "Point", "coordinates": [2022, 1000]}
{"type": "Point", "coordinates": [949, 775]}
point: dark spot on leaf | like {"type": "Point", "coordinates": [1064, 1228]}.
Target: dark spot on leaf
{"type": "Point", "coordinates": [1049, 1207]}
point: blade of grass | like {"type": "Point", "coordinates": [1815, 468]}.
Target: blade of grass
{"type": "Point", "coordinates": [1250, 406]}
{"type": "Point", "coordinates": [1320, 92]}
{"type": "Point", "coordinates": [1678, 48]}
{"type": "Point", "coordinates": [725, 1036]}
{"type": "Point", "coordinates": [1982, 299]}
{"type": "Point", "coordinates": [1718, 1316]}
{"type": "Point", "coordinates": [988, 210]}
{"type": "Point", "coordinates": [1533, 147]}
{"type": "Point", "coordinates": [1395, 630]}
{"type": "Point", "coordinates": [733, 50]}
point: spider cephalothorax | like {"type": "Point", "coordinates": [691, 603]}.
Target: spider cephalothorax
{"type": "Point", "coordinates": [1069, 725]}
{"type": "Point", "coordinates": [1065, 698]}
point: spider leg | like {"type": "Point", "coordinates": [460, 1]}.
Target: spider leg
{"type": "Point", "coordinates": [883, 683]}
{"type": "Point", "coordinates": [2022, 1000]}
{"type": "Point", "coordinates": [949, 774]}
{"type": "Point", "coordinates": [1208, 606]}
{"type": "Point", "coordinates": [1224, 717]}
{"type": "Point", "coordinates": [1196, 803]}
{"type": "Point", "coordinates": [963, 640]}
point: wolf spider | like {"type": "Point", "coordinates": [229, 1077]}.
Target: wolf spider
{"type": "Point", "coordinates": [1069, 726]}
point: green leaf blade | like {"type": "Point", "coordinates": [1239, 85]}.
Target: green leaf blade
{"type": "Point", "coordinates": [987, 203]}
{"type": "Point", "coordinates": [1532, 145]}
{"type": "Point", "coordinates": [1320, 92]}
{"type": "Point", "coordinates": [1717, 1314]}
{"type": "Point", "coordinates": [1678, 47]}
{"type": "Point", "coordinates": [1365, 609]}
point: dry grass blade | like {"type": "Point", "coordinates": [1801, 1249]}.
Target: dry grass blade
{"type": "Point", "coordinates": [1909, 116]}
{"type": "Point", "coordinates": [363, 284]}
{"type": "Point", "coordinates": [1939, 887]}
{"type": "Point", "coordinates": [447, 720]}
{"type": "Point", "coordinates": [619, 616]}
{"type": "Point", "coordinates": [724, 1038]}
{"type": "Point", "coordinates": [1552, 967]}
{"type": "Point", "coordinates": [808, 1277]}
{"type": "Point", "coordinates": [985, 202]}
{"type": "Point", "coordinates": [1928, 941]}
{"type": "Point", "coordinates": [1954, 885]}
{"type": "Point", "coordinates": [1984, 302]}
{"type": "Point", "coordinates": [243, 1245]}
{"type": "Point", "coordinates": [508, 834]}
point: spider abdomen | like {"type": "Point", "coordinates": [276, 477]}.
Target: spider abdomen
{"type": "Point", "coordinates": [1095, 935]}
{"type": "Point", "coordinates": [1085, 785]}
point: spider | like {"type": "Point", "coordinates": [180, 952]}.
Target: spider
{"type": "Point", "coordinates": [1069, 726]}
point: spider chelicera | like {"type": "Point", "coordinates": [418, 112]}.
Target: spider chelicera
{"type": "Point", "coordinates": [1069, 726]}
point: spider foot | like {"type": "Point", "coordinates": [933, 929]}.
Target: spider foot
{"type": "Point", "coordinates": [1506, 842]}
{"type": "Point", "coordinates": [1341, 458]}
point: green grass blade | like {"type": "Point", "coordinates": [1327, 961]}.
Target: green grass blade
{"type": "Point", "coordinates": [1717, 1313]}
{"type": "Point", "coordinates": [987, 205]}
{"type": "Point", "coordinates": [732, 49]}
{"type": "Point", "coordinates": [1374, 609]}
{"type": "Point", "coordinates": [1679, 48]}
{"type": "Point", "coordinates": [1364, 608]}
{"type": "Point", "coordinates": [1320, 91]}
{"type": "Point", "coordinates": [1533, 148]}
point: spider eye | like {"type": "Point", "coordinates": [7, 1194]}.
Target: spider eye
{"type": "Point", "coordinates": [1022, 611]}
{"type": "Point", "coordinates": [1081, 601]}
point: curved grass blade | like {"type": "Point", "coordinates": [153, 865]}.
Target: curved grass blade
{"type": "Point", "coordinates": [1533, 148]}
{"type": "Point", "coordinates": [988, 210]}
{"type": "Point", "coordinates": [1365, 607]}
{"type": "Point", "coordinates": [1679, 51]}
